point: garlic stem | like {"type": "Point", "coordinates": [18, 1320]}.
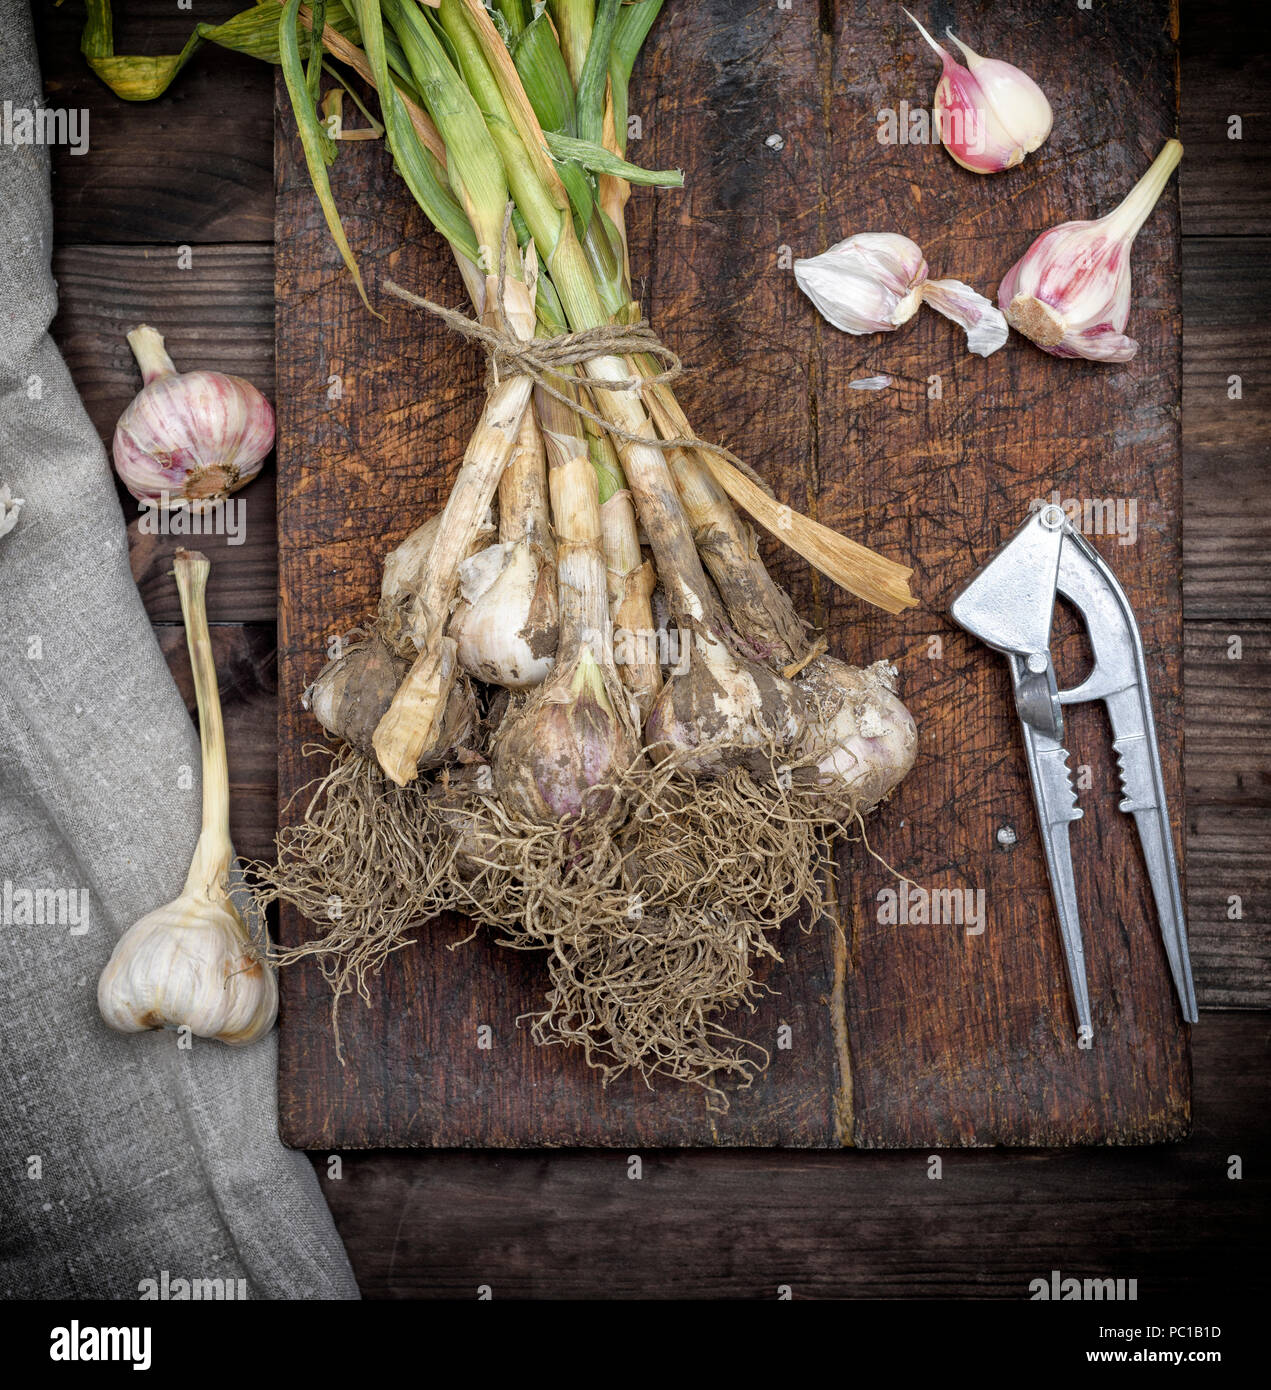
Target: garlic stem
{"type": "Point", "coordinates": [1137, 205]}
{"type": "Point", "coordinates": [412, 725]}
{"type": "Point", "coordinates": [209, 869]}
{"type": "Point", "coordinates": [152, 357]}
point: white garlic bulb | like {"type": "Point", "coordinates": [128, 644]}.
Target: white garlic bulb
{"type": "Point", "coordinates": [866, 740]}
{"type": "Point", "coordinates": [506, 626]}
{"type": "Point", "coordinates": [189, 438]}
{"type": "Point", "coordinates": [192, 963]}
{"type": "Point", "coordinates": [189, 964]}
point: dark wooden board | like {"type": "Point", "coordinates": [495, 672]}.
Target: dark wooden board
{"type": "Point", "coordinates": [739, 1224]}
{"type": "Point", "coordinates": [903, 1036]}
{"type": "Point", "coordinates": [193, 166]}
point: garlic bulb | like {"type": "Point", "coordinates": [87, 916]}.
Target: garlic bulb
{"type": "Point", "coordinates": [864, 738]}
{"type": "Point", "coordinates": [875, 281]}
{"type": "Point", "coordinates": [557, 758]}
{"type": "Point", "coordinates": [989, 114]}
{"type": "Point", "coordinates": [192, 963]}
{"type": "Point", "coordinates": [189, 438]}
{"type": "Point", "coordinates": [721, 705]}
{"type": "Point", "coordinates": [1070, 291]}
{"type": "Point", "coordinates": [506, 623]}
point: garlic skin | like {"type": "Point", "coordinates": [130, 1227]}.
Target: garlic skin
{"type": "Point", "coordinates": [721, 705]}
{"type": "Point", "coordinates": [868, 283]}
{"type": "Point", "coordinates": [192, 962]}
{"type": "Point", "coordinates": [865, 739]}
{"type": "Point", "coordinates": [506, 625]}
{"type": "Point", "coordinates": [875, 281]}
{"type": "Point", "coordinates": [989, 114]}
{"type": "Point", "coordinates": [557, 758]}
{"type": "Point", "coordinates": [1070, 291]}
{"type": "Point", "coordinates": [984, 324]}
{"type": "Point", "coordinates": [189, 438]}
{"type": "Point", "coordinates": [189, 964]}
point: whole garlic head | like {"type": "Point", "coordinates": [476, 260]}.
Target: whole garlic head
{"type": "Point", "coordinates": [189, 438]}
{"type": "Point", "coordinates": [189, 963]}
{"type": "Point", "coordinates": [866, 739]}
{"type": "Point", "coordinates": [192, 963]}
{"type": "Point", "coordinates": [506, 625]}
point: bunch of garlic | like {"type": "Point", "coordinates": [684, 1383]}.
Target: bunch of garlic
{"type": "Point", "coordinates": [192, 963]}
{"type": "Point", "coordinates": [875, 281]}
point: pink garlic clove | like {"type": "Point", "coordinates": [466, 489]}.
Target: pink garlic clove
{"type": "Point", "coordinates": [1070, 291]}
{"type": "Point", "coordinates": [989, 114]}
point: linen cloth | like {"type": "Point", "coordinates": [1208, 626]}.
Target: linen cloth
{"type": "Point", "coordinates": [121, 1157]}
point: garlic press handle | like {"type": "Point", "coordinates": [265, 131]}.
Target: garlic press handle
{"type": "Point", "coordinates": [1119, 678]}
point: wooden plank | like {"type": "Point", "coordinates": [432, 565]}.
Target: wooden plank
{"type": "Point", "coordinates": [215, 309]}
{"type": "Point", "coordinates": [958, 1037]}
{"type": "Point", "coordinates": [356, 473]}
{"type": "Point", "coordinates": [739, 1225]}
{"type": "Point", "coordinates": [1226, 72]}
{"type": "Point", "coordinates": [1229, 899]}
{"type": "Point", "coordinates": [193, 166]}
{"type": "Point", "coordinates": [954, 1039]}
{"type": "Point", "coordinates": [1226, 424]}
{"type": "Point", "coordinates": [1227, 668]}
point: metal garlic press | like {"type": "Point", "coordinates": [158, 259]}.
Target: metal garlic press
{"type": "Point", "coordinates": [1009, 605]}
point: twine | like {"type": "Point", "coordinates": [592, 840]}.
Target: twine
{"type": "Point", "coordinates": [544, 361]}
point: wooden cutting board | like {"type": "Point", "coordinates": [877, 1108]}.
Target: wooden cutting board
{"type": "Point", "coordinates": [913, 1034]}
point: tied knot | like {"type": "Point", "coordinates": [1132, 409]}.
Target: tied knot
{"type": "Point", "coordinates": [544, 358]}
{"type": "Point", "coordinates": [547, 361]}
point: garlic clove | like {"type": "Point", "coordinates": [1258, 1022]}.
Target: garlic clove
{"type": "Point", "coordinates": [989, 114]}
{"type": "Point", "coordinates": [189, 964]}
{"type": "Point", "coordinates": [1017, 103]}
{"type": "Point", "coordinates": [1070, 291]}
{"type": "Point", "coordinates": [985, 324]}
{"type": "Point", "coordinates": [506, 626]}
{"type": "Point", "coordinates": [189, 439]}
{"type": "Point", "coordinates": [864, 737]}
{"type": "Point", "coordinates": [868, 283]}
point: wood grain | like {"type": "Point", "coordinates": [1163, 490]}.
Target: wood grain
{"type": "Point", "coordinates": [739, 1225]}
{"type": "Point", "coordinates": [954, 1038]}
{"type": "Point", "coordinates": [1227, 540]}
{"type": "Point", "coordinates": [191, 167]}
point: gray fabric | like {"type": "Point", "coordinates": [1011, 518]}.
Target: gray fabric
{"type": "Point", "coordinates": [153, 1159]}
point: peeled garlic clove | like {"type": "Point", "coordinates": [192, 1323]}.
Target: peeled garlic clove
{"type": "Point", "coordinates": [989, 114]}
{"type": "Point", "coordinates": [869, 283]}
{"type": "Point", "coordinates": [189, 964]}
{"type": "Point", "coordinates": [1070, 291]}
{"type": "Point", "coordinates": [506, 627]}
{"type": "Point", "coordinates": [189, 438]}
{"type": "Point", "coordinates": [864, 738]}
{"type": "Point", "coordinates": [985, 325]}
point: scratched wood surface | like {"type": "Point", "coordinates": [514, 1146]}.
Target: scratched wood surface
{"type": "Point", "coordinates": [903, 1034]}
